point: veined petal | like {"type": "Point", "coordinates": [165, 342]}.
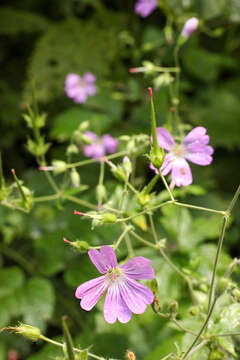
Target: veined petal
{"type": "Point", "coordinates": [136, 295]}
{"type": "Point", "coordinates": [104, 259]}
{"type": "Point", "coordinates": [195, 135]}
{"type": "Point", "coordinates": [199, 158]}
{"type": "Point", "coordinates": [138, 268]}
{"type": "Point", "coordinates": [165, 139]}
{"type": "Point", "coordinates": [90, 292]}
{"type": "Point", "coordinates": [115, 307]}
{"type": "Point", "coordinates": [83, 289]}
{"type": "Point", "coordinates": [167, 164]}
{"type": "Point", "coordinates": [181, 172]}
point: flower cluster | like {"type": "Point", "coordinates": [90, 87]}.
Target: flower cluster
{"type": "Point", "coordinates": [79, 88]}
{"type": "Point", "coordinates": [125, 295]}
{"type": "Point", "coordinates": [100, 146]}
{"type": "Point", "coordinates": [194, 148]}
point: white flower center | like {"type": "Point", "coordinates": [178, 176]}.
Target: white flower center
{"type": "Point", "coordinates": [179, 150]}
{"type": "Point", "coordinates": [114, 275]}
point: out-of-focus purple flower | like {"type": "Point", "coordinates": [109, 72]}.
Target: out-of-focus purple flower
{"type": "Point", "coordinates": [100, 146]}
{"type": "Point", "coordinates": [79, 88]}
{"type": "Point", "coordinates": [124, 294]}
{"type": "Point", "coordinates": [189, 27]}
{"type": "Point", "coordinates": [194, 148]}
{"type": "Point", "coordinates": [145, 7]}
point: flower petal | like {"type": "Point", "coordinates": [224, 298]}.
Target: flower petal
{"type": "Point", "coordinates": [181, 172]}
{"type": "Point", "coordinates": [165, 139]}
{"type": "Point", "coordinates": [167, 164]}
{"type": "Point", "coordinates": [90, 292]}
{"type": "Point", "coordinates": [110, 143]}
{"type": "Point", "coordinates": [195, 134]}
{"type": "Point", "coordinates": [88, 77]}
{"type": "Point", "coordinates": [136, 295]}
{"type": "Point", "coordinates": [138, 268]}
{"type": "Point", "coordinates": [115, 307]}
{"type": "Point", "coordinates": [94, 151]}
{"type": "Point", "coordinates": [200, 158]}
{"type": "Point", "coordinates": [153, 168]}
{"type": "Point", "coordinates": [104, 259]}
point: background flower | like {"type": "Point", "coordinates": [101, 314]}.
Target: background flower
{"type": "Point", "coordinates": [189, 27]}
{"type": "Point", "coordinates": [124, 294]}
{"type": "Point", "coordinates": [194, 148]}
{"type": "Point", "coordinates": [145, 7]}
{"type": "Point", "coordinates": [79, 88]}
{"type": "Point", "coordinates": [100, 146]}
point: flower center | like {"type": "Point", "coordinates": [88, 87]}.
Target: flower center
{"type": "Point", "coordinates": [114, 275]}
{"type": "Point", "coordinates": [179, 150]}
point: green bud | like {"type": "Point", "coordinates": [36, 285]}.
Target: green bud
{"type": "Point", "coordinates": [72, 149]}
{"type": "Point", "coordinates": [75, 178]}
{"type": "Point", "coordinates": [193, 311]}
{"type": "Point", "coordinates": [109, 218]}
{"type": "Point", "coordinates": [40, 120]}
{"type": "Point", "coordinates": [143, 199]}
{"type": "Point", "coordinates": [81, 246]}
{"type": "Point", "coordinates": [59, 166]}
{"type": "Point", "coordinates": [204, 288]}
{"type": "Point", "coordinates": [83, 126]}
{"type": "Point", "coordinates": [83, 355]}
{"type": "Point", "coordinates": [77, 136]}
{"type": "Point", "coordinates": [236, 294]}
{"type": "Point", "coordinates": [28, 331]}
{"type": "Point", "coordinates": [157, 157]}
{"type": "Point", "coordinates": [119, 173]}
{"type": "Point", "coordinates": [173, 308]}
{"type": "Point", "coordinates": [101, 193]}
{"type": "Point", "coordinates": [216, 355]}
{"type": "Point", "coordinates": [222, 284]}
{"type": "Point", "coordinates": [127, 165]}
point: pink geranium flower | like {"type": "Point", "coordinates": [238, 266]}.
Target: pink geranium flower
{"type": "Point", "coordinates": [124, 294]}
{"type": "Point", "coordinates": [79, 88]}
{"type": "Point", "coordinates": [189, 27]}
{"type": "Point", "coordinates": [145, 7]}
{"type": "Point", "coordinates": [100, 146]}
{"type": "Point", "coordinates": [194, 148]}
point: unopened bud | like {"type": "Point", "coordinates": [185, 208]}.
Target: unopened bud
{"type": "Point", "coordinates": [12, 355]}
{"type": "Point", "coordinates": [222, 284]}
{"type": "Point", "coordinates": [59, 166]}
{"type": "Point", "coordinates": [75, 178]}
{"type": "Point", "coordinates": [101, 193]}
{"type": "Point", "coordinates": [130, 355]}
{"type": "Point", "coordinates": [143, 199]}
{"type": "Point", "coordinates": [193, 311]}
{"type": "Point", "coordinates": [81, 246]}
{"type": "Point", "coordinates": [127, 165]}
{"type": "Point", "coordinates": [119, 173]}
{"type": "Point", "coordinates": [173, 308]}
{"type": "Point", "coordinates": [109, 218]}
{"type": "Point", "coordinates": [72, 149]}
{"type": "Point", "coordinates": [83, 126]}
{"type": "Point", "coordinates": [157, 157]}
{"type": "Point", "coordinates": [236, 294]}
{"type": "Point", "coordinates": [28, 331]}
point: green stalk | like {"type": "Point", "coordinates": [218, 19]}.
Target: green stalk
{"type": "Point", "coordinates": [154, 126]}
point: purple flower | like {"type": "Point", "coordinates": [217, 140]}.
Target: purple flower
{"type": "Point", "coordinates": [145, 7]}
{"type": "Point", "coordinates": [189, 27]}
{"type": "Point", "coordinates": [79, 88]}
{"type": "Point", "coordinates": [194, 148]}
{"type": "Point", "coordinates": [124, 294]}
{"type": "Point", "coordinates": [99, 146]}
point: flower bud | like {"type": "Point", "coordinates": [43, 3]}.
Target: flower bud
{"type": "Point", "coordinates": [222, 285]}
{"type": "Point", "coordinates": [143, 199]}
{"type": "Point", "coordinates": [193, 311]}
{"type": "Point", "coordinates": [83, 126]}
{"type": "Point", "coordinates": [81, 246]}
{"type": "Point", "coordinates": [173, 308]}
{"type": "Point", "coordinates": [127, 165]}
{"type": "Point", "coordinates": [157, 157]}
{"type": "Point", "coordinates": [72, 149]}
{"type": "Point", "coordinates": [75, 178]}
{"type": "Point", "coordinates": [236, 294]}
{"type": "Point", "coordinates": [189, 27]}
{"type": "Point", "coordinates": [59, 166]}
{"type": "Point", "coordinates": [109, 218]}
{"type": "Point", "coordinates": [119, 173]}
{"type": "Point", "coordinates": [130, 355]}
{"type": "Point", "coordinates": [28, 331]}
{"type": "Point", "coordinates": [101, 193]}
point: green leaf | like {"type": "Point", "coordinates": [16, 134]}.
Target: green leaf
{"type": "Point", "coordinates": [166, 347]}
{"type": "Point", "coordinates": [226, 343]}
{"type": "Point", "coordinates": [18, 21]}
{"type": "Point", "coordinates": [79, 271]}
{"type": "Point", "coordinates": [37, 302]}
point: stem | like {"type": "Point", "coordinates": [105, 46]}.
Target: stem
{"type": "Point", "coordinates": [166, 186]}
{"type": "Point", "coordinates": [152, 183]}
{"type": "Point", "coordinates": [227, 334]}
{"type": "Point", "coordinates": [219, 248]}
{"type": "Point", "coordinates": [131, 187]}
{"type": "Point", "coordinates": [2, 182]}
{"type": "Point", "coordinates": [80, 202]}
{"type": "Point", "coordinates": [200, 208]}
{"type": "Point", "coordinates": [233, 202]}
{"type": "Point", "coordinates": [199, 346]}
{"type": "Point", "coordinates": [46, 198]}
{"type": "Point", "coordinates": [182, 327]}
{"type": "Point", "coordinates": [129, 245]}
{"type": "Point", "coordinates": [56, 343]}
{"type": "Point", "coordinates": [169, 69]}
{"type": "Point", "coordinates": [139, 238]}
{"type": "Point", "coordinates": [154, 126]}
{"type": "Point", "coordinates": [101, 176]}
{"type": "Point", "coordinates": [121, 237]}
{"type": "Point", "coordinates": [200, 331]}
{"type": "Point", "coordinates": [92, 161]}
{"type": "Point", "coordinates": [51, 181]}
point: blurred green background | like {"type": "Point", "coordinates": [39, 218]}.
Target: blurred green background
{"type": "Point", "coordinates": [45, 40]}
